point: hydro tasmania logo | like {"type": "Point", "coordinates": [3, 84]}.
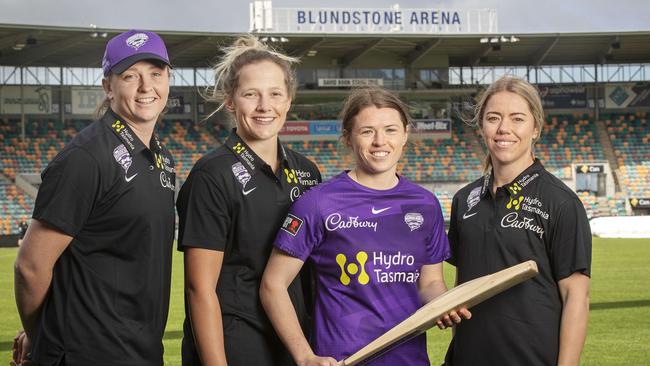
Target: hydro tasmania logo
{"type": "Point", "coordinates": [515, 202]}
{"type": "Point", "coordinates": [290, 174]}
{"type": "Point", "coordinates": [386, 268]}
{"type": "Point", "coordinates": [351, 269]}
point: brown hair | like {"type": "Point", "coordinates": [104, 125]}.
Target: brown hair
{"type": "Point", "coordinates": [368, 97]}
{"type": "Point", "coordinates": [244, 51]}
{"type": "Point", "coordinates": [517, 86]}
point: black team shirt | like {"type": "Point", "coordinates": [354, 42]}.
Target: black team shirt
{"type": "Point", "coordinates": [534, 217]}
{"type": "Point", "coordinates": [109, 297]}
{"type": "Point", "coordinates": [233, 202]}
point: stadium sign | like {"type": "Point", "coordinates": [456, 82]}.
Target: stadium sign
{"type": "Point", "coordinates": [311, 128]}
{"type": "Point", "coordinates": [436, 126]}
{"type": "Point", "coordinates": [266, 19]}
{"type": "Point", "coordinates": [563, 96]}
{"type": "Point", "coordinates": [590, 168]}
{"type": "Point", "coordinates": [295, 128]}
{"type": "Point", "coordinates": [34, 99]}
{"type": "Point", "coordinates": [349, 83]}
{"type": "Point", "coordinates": [618, 96]}
{"type": "Point", "coordinates": [640, 203]}
{"type": "Point", "coordinates": [85, 100]}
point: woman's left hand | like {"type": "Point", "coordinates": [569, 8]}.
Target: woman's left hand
{"type": "Point", "coordinates": [453, 317]}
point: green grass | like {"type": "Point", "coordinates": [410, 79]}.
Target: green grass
{"type": "Point", "coordinates": [619, 321]}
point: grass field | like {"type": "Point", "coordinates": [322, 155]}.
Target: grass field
{"type": "Point", "coordinates": [619, 322]}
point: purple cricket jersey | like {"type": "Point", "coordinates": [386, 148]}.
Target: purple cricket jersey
{"type": "Point", "coordinates": [367, 247]}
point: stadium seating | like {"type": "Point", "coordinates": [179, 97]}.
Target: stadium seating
{"type": "Point", "coordinates": [630, 137]}
{"type": "Point", "coordinates": [567, 139]}
{"type": "Point", "coordinates": [15, 207]}
{"type": "Point", "coordinates": [424, 160]}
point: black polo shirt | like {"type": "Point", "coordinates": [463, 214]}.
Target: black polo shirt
{"type": "Point", "coordinates": [109, 296]}
{"type": "Point", "coordinates": [535, 217]}
{"type": "Point", "coordinates": [233, 202]}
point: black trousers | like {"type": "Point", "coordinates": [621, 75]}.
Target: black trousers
{"type": "Point", "coordinates": [245, 345]}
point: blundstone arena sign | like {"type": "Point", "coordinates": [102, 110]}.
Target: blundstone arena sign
{"type": "Point", "coordinates": [266, 19]}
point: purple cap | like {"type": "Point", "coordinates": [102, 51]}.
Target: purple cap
{"type": "Point", "coordinates": [127, 48]}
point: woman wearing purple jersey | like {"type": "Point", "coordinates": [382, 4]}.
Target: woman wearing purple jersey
{"type": "Point", "coordinates": [376, 242]}
{"type": "Point", "coordinates": [518, 211]}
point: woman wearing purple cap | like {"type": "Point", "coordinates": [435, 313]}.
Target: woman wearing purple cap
{"type": "Point", "coordinates": [375, 240]}
{"type": "Point", "coordinates": [93, 274]}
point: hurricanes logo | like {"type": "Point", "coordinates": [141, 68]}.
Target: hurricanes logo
{"type": "Point", "coordinates": [516, 202]}
{"type": "Point", "coordinates": [352, 268]}
{"type": "Point", "coordinates": [137, 40]}
{"type": "Point", "coordinates": [118, 126]}
{"type": "Point", "coordinates": [515, 188]}
{"type": "Point", "coordinates": [291, 175]}
{"type": "Point", "coordinates": [239, 148]}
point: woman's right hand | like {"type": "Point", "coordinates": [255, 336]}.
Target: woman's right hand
{"type": "Point", "coordinates": [314, 360]}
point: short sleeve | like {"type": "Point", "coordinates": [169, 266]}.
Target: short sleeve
{"type": "Point", "coordinates": [453, 232]}
{"type": "Point", "coordinates": [302, 229]}
{"type": "Point", "coordinates": [570, 247]}
{"type": "Point", "coordinates": [68, 191]}
{"type": "Point", "coordinates": [203, 212]}
{"type": "Point", "coordinates": [437, 245]}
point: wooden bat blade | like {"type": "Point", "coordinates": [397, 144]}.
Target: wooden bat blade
{"type": "Point", "coordinates": [467, 295]}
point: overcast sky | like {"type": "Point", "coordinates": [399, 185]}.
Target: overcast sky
{"type": "Point", "coordinates": [230, 16]}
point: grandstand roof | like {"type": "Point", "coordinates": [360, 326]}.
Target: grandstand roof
{"type": "Point", "coordinates": [77, 48]}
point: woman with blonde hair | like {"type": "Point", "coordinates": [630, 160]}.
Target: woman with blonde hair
{"type": "Point", "coordinates": [518, 211]}
{"type": "Point", "coordinates": [231, 207]}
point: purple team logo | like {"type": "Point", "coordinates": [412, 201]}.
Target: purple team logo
{"type": "Point", "coordinates": [414, 220]}
{"type": "Point", "coordinates": [240, 172]}
{"type": "Point", "coordinates": [137, 40]}
{"type": "Point", "coordinates": [474, 198]}
{"type": "Point", "coordinates": [122, 156]}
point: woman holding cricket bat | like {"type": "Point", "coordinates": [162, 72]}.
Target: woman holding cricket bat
{"type": "Point", "coordinates": [516, 212]}
{"type": "Point", "coordinates": [376, 242]}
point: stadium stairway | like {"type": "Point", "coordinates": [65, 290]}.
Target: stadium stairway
{"type": "Point", "coordinates": [608, 151]}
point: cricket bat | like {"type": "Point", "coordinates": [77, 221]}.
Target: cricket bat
{"type": "Point", "coordinates": [466, 295]}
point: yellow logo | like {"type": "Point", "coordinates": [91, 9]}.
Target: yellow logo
{"type": "Point", "coordinates": [515, 188]}
{"type": "Point", "coordinates": [516, 202]}
{"type": "Point", "coordinates": [584, 169]}
{"type": "Point", "coordinates": [352, 268]}
{"type": "Point", "coordinates": [159, 163]}
{"type": "Point", "coordinates": [239, 148]}
{"type": "Point", "coordinates": [634, 202]}
{"type": "Point", "coordinates": [291, 175]}
{"type": "Point", "coordinates": [118, 126]}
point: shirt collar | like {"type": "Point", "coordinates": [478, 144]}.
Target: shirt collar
{"type": "Point", "coordinates": [526, 177]}
{"type": "Point", "coordinates": [514, 187]}
{"type": "Point", "coordinates": [122, 130]}
{"type": "Point", "coordinates": [247, 156]}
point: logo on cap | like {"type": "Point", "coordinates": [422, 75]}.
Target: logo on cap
{"type": "Point", "coordinates": [137, 40]}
